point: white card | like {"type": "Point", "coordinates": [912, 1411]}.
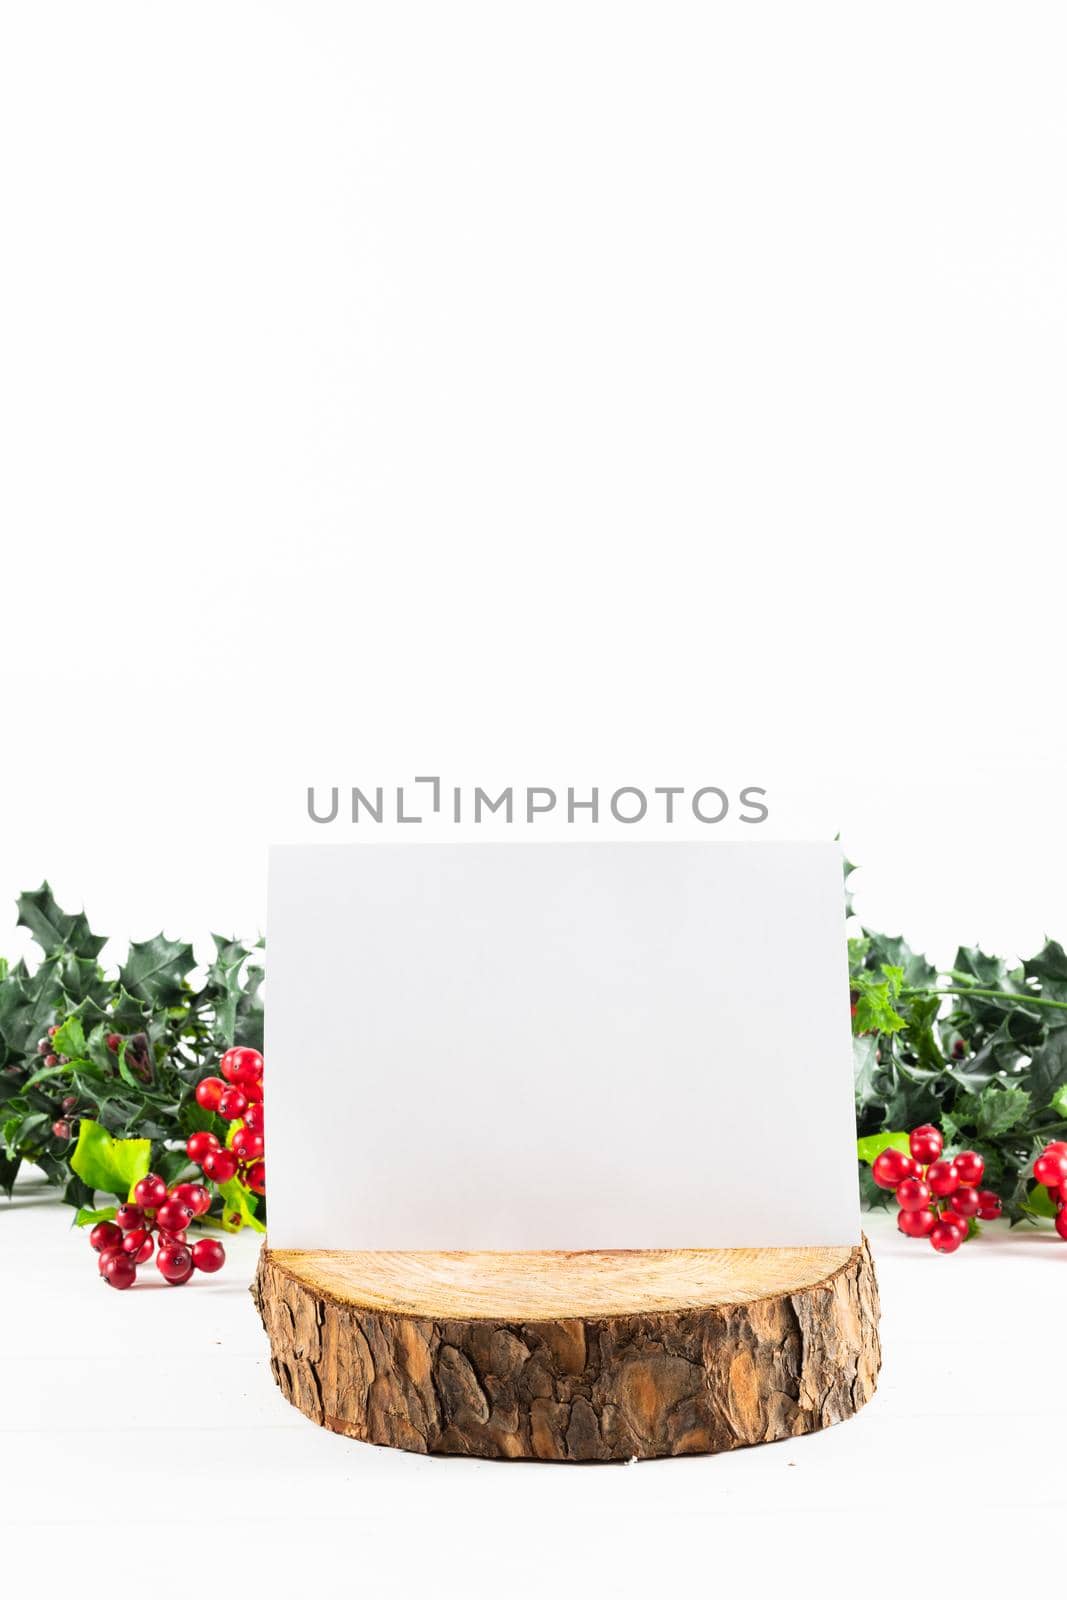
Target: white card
{"type": "Point", "coordinates": [558, 1047]}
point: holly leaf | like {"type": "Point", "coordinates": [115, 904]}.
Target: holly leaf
{"type": "Point", "coordinates": [154, 970]}
{"type": "Point", "coordinates": [994, 1111]}
{"type": "Point", "coordinates": [29, 1006]}
{"type": "Point", "coordinates": [54, 929]}
{"type": "Point", "coordinates": [896, 952]}
{"type": "Point", "coordinates": [104, 1162]}
{"type": "Point", "coordinates": [69, 1040]}
{"type": "Point", "coordinates": [870, 1148]}
{"type": "Point", "coordinates": [126, 1013]}
{"type": "Point", "coordinates": [223, 986]}
{"type": "Point", "coordinates": [1048, 1069]}
{"type": "Point", "coordinates": [875, 1011]}
{"type": "Point", "coordinates": [1040, 1203]}
{"type": "Point", "coordinates": [86, 1217]}
{"type": "Point", "coordinates": [865, 1067]}
{"type": "Point", "coordinates": [986, 972]}
{"type": "Point", "coordinates": [238, 1208]}
{"type": "Point", "coordinates": [1049, 967]}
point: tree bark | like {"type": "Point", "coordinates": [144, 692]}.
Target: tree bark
{"type": "Point", "coordinates": [593, 1356]}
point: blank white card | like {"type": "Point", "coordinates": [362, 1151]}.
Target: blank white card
{"type": "Point", "coordinates": [558, 1046]}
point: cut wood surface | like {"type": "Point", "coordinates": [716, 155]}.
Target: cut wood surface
{"type": "Point", "coordinates": [586, 1356]}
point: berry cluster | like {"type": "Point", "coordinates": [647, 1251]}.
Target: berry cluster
{"type": "Point", "coordinates": [156, 1220]}
{"type": "Point", "coordinates": [236, 1097]}
{"type": "Point", "coordinates": [937, 1194]}
{"type": "Point", "coordinates": [61, 1127]}
{"type": "Point", "coordinates": [1050, 1168]}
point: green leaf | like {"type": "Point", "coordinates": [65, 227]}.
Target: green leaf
{"type": "Point", "coordinates": [1048, 1069]}
{"type": "Point", "coordinates": [224, 985]}
{"type": "Point", "coordinates": [70, 1039]}
{"type": "Point", "coordinates": [87, 1218]}
{"type": "Point", "coordinates": [987, 972]}
{"type": "Point", "coordinates": [155, 970]}
{"type": "Point", "coordinates": [28, 1006]}
{"type": "Point", "coordinates": [238, 1208]}
{"type": "Point", "coordinates": [1049, 965]}
{"type": "Point", "coordinates": [1059, 1101]}
{"type": "Point", "coordinates": [104, 1162]}
{"type": "Point", "coordinates": [54, 929]}
{"type": "Point", "coordinates": [994, 1111]}
{"type": "Point", "coordinates": [875, 1011]}
{"type": "Point", "coordinates": [65, 1069]}
{"type": "Point", "coordinates": [1040, 1203]}
{"type": "Point", "coordinates": [870, 1148]}
{"type": "Point", "coordinates": [865, 1068]}
{"type": "Point", "coordinates": [896, 952]}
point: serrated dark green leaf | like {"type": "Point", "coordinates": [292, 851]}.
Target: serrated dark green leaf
{"type": "Point", "coordinates": [996, 1110]}
{"type": "Point", "coordinates": [54, 929]}
{"type": "Point", "coordinates": [1048, 1069]}
{"type": "Point", "coordinates": [1049, 965]}
{"type": "Point", "coordinates": [155, 970]}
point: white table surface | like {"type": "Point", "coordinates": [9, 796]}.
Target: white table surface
{"type": "Point", "coordinates": [153, 1414]}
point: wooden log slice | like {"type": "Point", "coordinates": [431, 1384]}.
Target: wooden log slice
{"type": "Point", "coordinates": [593, 1356]}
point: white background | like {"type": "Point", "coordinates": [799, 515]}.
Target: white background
{"type": "Point", "coordinates": [565, 393]}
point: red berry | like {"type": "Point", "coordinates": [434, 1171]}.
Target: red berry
{"type": "Point", "coordinates": [150, 1192]}
{"type": "Point", "coordinates": [129, 1216]}
{"type": "Point", "coordinates": [913, 1195]}
{"type": "Point", "coordinates": [106, 1255]}
{"type": "Point", "coordinates": [989, 1206]}
{"type": "Point", "coordinates": [969, 1167]}
{"type": "Point", "coordinates": [1050, 1168]}
{"type": "Point", "coordinates": [106, 1235]}
{"type": "Point", "coordinates": [114, 1040]}
{"type": "Point", "coordinates": [209, 1092]}
{"type": "Point", "coordinates": [177, 1236]}
{"type": "Point", "coordinates": [194, 1196]}
{"type": "Point", "coordinates": [139, 1244]}
{"type": "Point", "coordinates": [175, 1262]}
{"type": "Point", "coordinates": [892, 1167]}
{"type": "Point", "coordinates": [121, 1270]}
{"type": "Point", "coordinates": [965, 1202]}
{"type": "Point", "coordinates": [208, 1255]}
{"type": "Point", "coordinates": [53, 1030]}
{"type": "Point", "coordinates": [256, 1178]}
{"type": "Point", "coordinates": [254, 1091]}
{"type": "Point", "coordinates": [1060, 1223]}
{"type": "Point", "coordinates": [945, 1237]}
{"type": "Point", "coordinates": [1058, 1144]}
{"type": "Point", "coordinates": [199, 1145]}
{"type": "Point", "coordinates": [246, 1145]}
{"type": "Point", "coordinates": [221, 1165]}
{"type": "Point", "coordinates": [172, 1216]}
{"type": "Point", "coordinates": [926, 1144]}
{"type": "Point", "coordinates": [954, 1218]}
{"type": "Point", "coordinates": [943, 1177]}
{"type": "Point", "coordinates": [917, 1224]}
{"type": "Point", "coordinates": [233, 1104]}
{"type": "Point", "coordinates": [254, 1117]}
{"type": "Point", "coordinates": [241, 1065]}
{"type": "Point", "coordinates": [51, 1061]}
